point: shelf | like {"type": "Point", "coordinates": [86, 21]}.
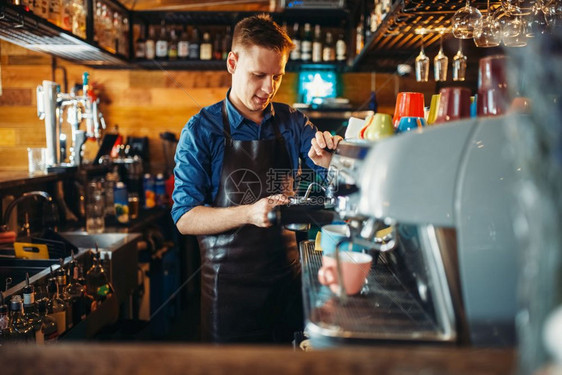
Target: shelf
{"type": "Point", "coordinates": [395, 41]}
{"type": "Point", "coordinates": [220, 65]}
{"type": "Point", "coordinates": [23, 28]}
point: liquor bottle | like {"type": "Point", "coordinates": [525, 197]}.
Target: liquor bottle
{"type": "Point", "coordinates": [296, 52]}
{"type": "Point", "coordinates": [62, 281]}
{"type": "Point", "coordinates": [97, 282]}
{"type": "Point", "coordinates": [121, 202]}
{"type": "Point", "coordinates": [77, 294]}
{"type": "Point", "coordinates": [306, 44]}
{"type": "Point", "coordinates": [54, 12]}
{"type": "Point", "coordinates": [98, 28]}
{"type": "Point", "coordinates": [49, 329]}
{"type": "Point", "coordinates": [21, 330]}
{"type": "Point", "coordinates": [183, 45]}
{"type": "Point", "coordinates": [150, 44]}
{"type": "Point", "coordinates": [106, 35]}
{"type": "Point", "coordinates": [30, 310]}
{"type": "Point", "coordinates": [329, 51]}
{"type": "Point", "coordinates": [162, 44]}
{"type": "Point", "coordinates": [359, 37]}
{"type": "Point", "coordinates": [66, 15]}
{"type": "Point", "coordinates": [79, 18]}
{"type": "Point", "coordinates": [5, 332]}
{"type": "Point", "coordinates": [317, 45]}
{"type": "Point", "coordinates": [56, 307]}
{"type": "Point", "coordinates": [206, 52]}
{"type": "Point", "coordinates": [173, 45]}
{"type": "Point", "coordinates": [341, 49]}
{"type": "Point", "coordinates": [217, 47]}
{"type": "Point", "coordinates": [194, 45]}
{"type": "Point", "coordinates": [140, 44]}
{"type": "Point", "coordinates": [116, 32]}
{"type": "Point", "coordinates": [124, 36]}
{"type": "Point", "coordinates": [226, 43]}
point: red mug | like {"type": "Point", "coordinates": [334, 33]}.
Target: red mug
{"type": "Point", "coordinates": [454, 104]}
{"type": "Point", "coordinates": [492, 86]}
{"type": "Point", "coordinates": [408, 104]}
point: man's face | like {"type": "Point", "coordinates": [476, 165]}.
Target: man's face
{"type": "Point", "coordinates": [256, 76]}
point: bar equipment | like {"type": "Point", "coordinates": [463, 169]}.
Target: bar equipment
{"type": "Point", "coordinates": [439, 228]}
{"type": "Point", "coordinates": [51, 106]}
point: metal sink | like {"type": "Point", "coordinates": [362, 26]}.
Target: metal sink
{"type": "Point", "coordinates": [120, 249]}
{"type": "Point", "coordinates": [105, 241]}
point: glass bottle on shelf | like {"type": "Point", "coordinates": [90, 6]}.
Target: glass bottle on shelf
{"type": "Point", "coordinates": [5, 332]}
{"type": "Point", "coordinates": [62, 281]}
{"type": "Point", "coordinates": [54, 12]}
{"type": "Point", "coordinates": [97, 283]}
{"type": "Point", "coordinates": [226, 43]}
{"type": "Point", "coordinates": [116, 33]}
{"type": "Point", "coordinates": [194, 45]}
{"type": "Point", "coordinates": [359, 37]}
{"type": "Point", "coordinates": [206, 52]}
{"type": "Point", "coordinates": [296, 52]}
{"type": "Point", "coordinates": [79, 18]}
{"type": "Point", "coordinates": [106, 36]}
{"type": "Point", "coordinates": [66, 15]}
{"type": "Point", "coordinates": [98, 26]}
{"type": "Point", "coordinates": [162, 44]}
{"type": "Point", "coordinates": [76, 292]}
{"type": "Point", "coordinates": [21, 330]}
{"type": "Point", "coordinates": [49, 329]}
{"type": "Point", "coordinates": [56, 307]}
{"type": "Point", "coordinates": [317, 45]}
{"type": "Point", "coordinates": [150, 47]}
{"type": "Point", "coordinates": [329, 51]}
{"type": "Point", "coordinates": [183, 45]}
{"type": "Point", "coordinates": [217, 47]}
{"type": "Point", "coordinates": [124, 37]}
{"type": "Point", "coordinates": [341, 49]}
{"type": "Point", "coordinates": [30, 310]}
{"type": "Point", "coordinates": [173, 45]}
{"type": "Point", "coordinates": [140, 44]}
{"type": "Point", "coordinates": [306, 44]}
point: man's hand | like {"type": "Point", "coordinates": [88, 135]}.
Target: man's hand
{"type": "Point", "coordinates": [317, 152]}
{"type": "Point", "coordinates": [259, 210]}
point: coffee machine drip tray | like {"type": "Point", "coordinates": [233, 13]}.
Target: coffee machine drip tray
{"type": "Point", "coordinates": [385, 310]}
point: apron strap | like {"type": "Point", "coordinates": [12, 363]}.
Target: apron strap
{"type": "Point", "coordinates": [226, 126]}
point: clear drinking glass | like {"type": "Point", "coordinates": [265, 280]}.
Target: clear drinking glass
{"type": "Point", "coordinates": [487, 31]}
{"type": "Point", "coordinates": [459, 64]}
{"type": "Point", "coordinates": [536, 21]}
{"type": "Point", "coordinates": [440, 63]}
{"type": "Point", "coordinates": [422, 66]}
{"type": "Point", "coordinates": [514, 32]}
{"type": "Point", "coordinates": [464, 20]}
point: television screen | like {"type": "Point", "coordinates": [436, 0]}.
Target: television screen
{"type": "Point", "coordinates": [315, 85]}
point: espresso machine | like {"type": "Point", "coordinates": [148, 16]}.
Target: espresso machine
{"type": "Point", "coordinates": [435, 209]}
{"type": "Point", "coordinates": [51, 107]}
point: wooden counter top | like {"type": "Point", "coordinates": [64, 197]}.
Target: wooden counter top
{"type": "Point", "coordinates": [172, 359]}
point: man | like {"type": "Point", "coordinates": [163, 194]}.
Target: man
{"type": "Point", "coordinates": [234, 163]}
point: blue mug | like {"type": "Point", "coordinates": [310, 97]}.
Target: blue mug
{"type": "Point", "coordinates": [410, 123]}
{"type": "Point", "coordinates": [332, 234]}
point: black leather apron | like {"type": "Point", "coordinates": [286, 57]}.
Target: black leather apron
{"type": "Point", "coordinates": [251, 287]}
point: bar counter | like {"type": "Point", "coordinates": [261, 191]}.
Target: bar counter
{"type": "Point", "coordinates": [173, 359]}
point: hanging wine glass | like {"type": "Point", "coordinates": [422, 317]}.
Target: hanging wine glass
{"type": "Point", "coordinates": [422, 65]}
{"type": "Point", "coordinates": [464, 20]}
{"type": "Point", "coordinates": [514, 32]}
{"type": "Point", "coordinates": [459, 64]}
{"type": "Point", "coordinates": [440, 63]}
{"type": "Point", "coordinates": [536, 21]}
{"type": "Point", "coordinates": [487, 30]}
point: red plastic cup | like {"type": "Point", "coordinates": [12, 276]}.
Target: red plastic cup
{"type": "Point", "coordinates": [408, 104]}
{"type": "Point", "coordinates": [454, 104]}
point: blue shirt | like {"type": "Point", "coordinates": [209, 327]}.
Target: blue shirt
{"type": "Point", "coordinates": [200, 150]}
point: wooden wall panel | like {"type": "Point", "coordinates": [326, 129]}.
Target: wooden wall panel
{"type": "Point", "coordinates": [143, 103]}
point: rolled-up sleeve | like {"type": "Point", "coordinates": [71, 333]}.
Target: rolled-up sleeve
{"type": "Point", "coordinates": [193, 169]}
